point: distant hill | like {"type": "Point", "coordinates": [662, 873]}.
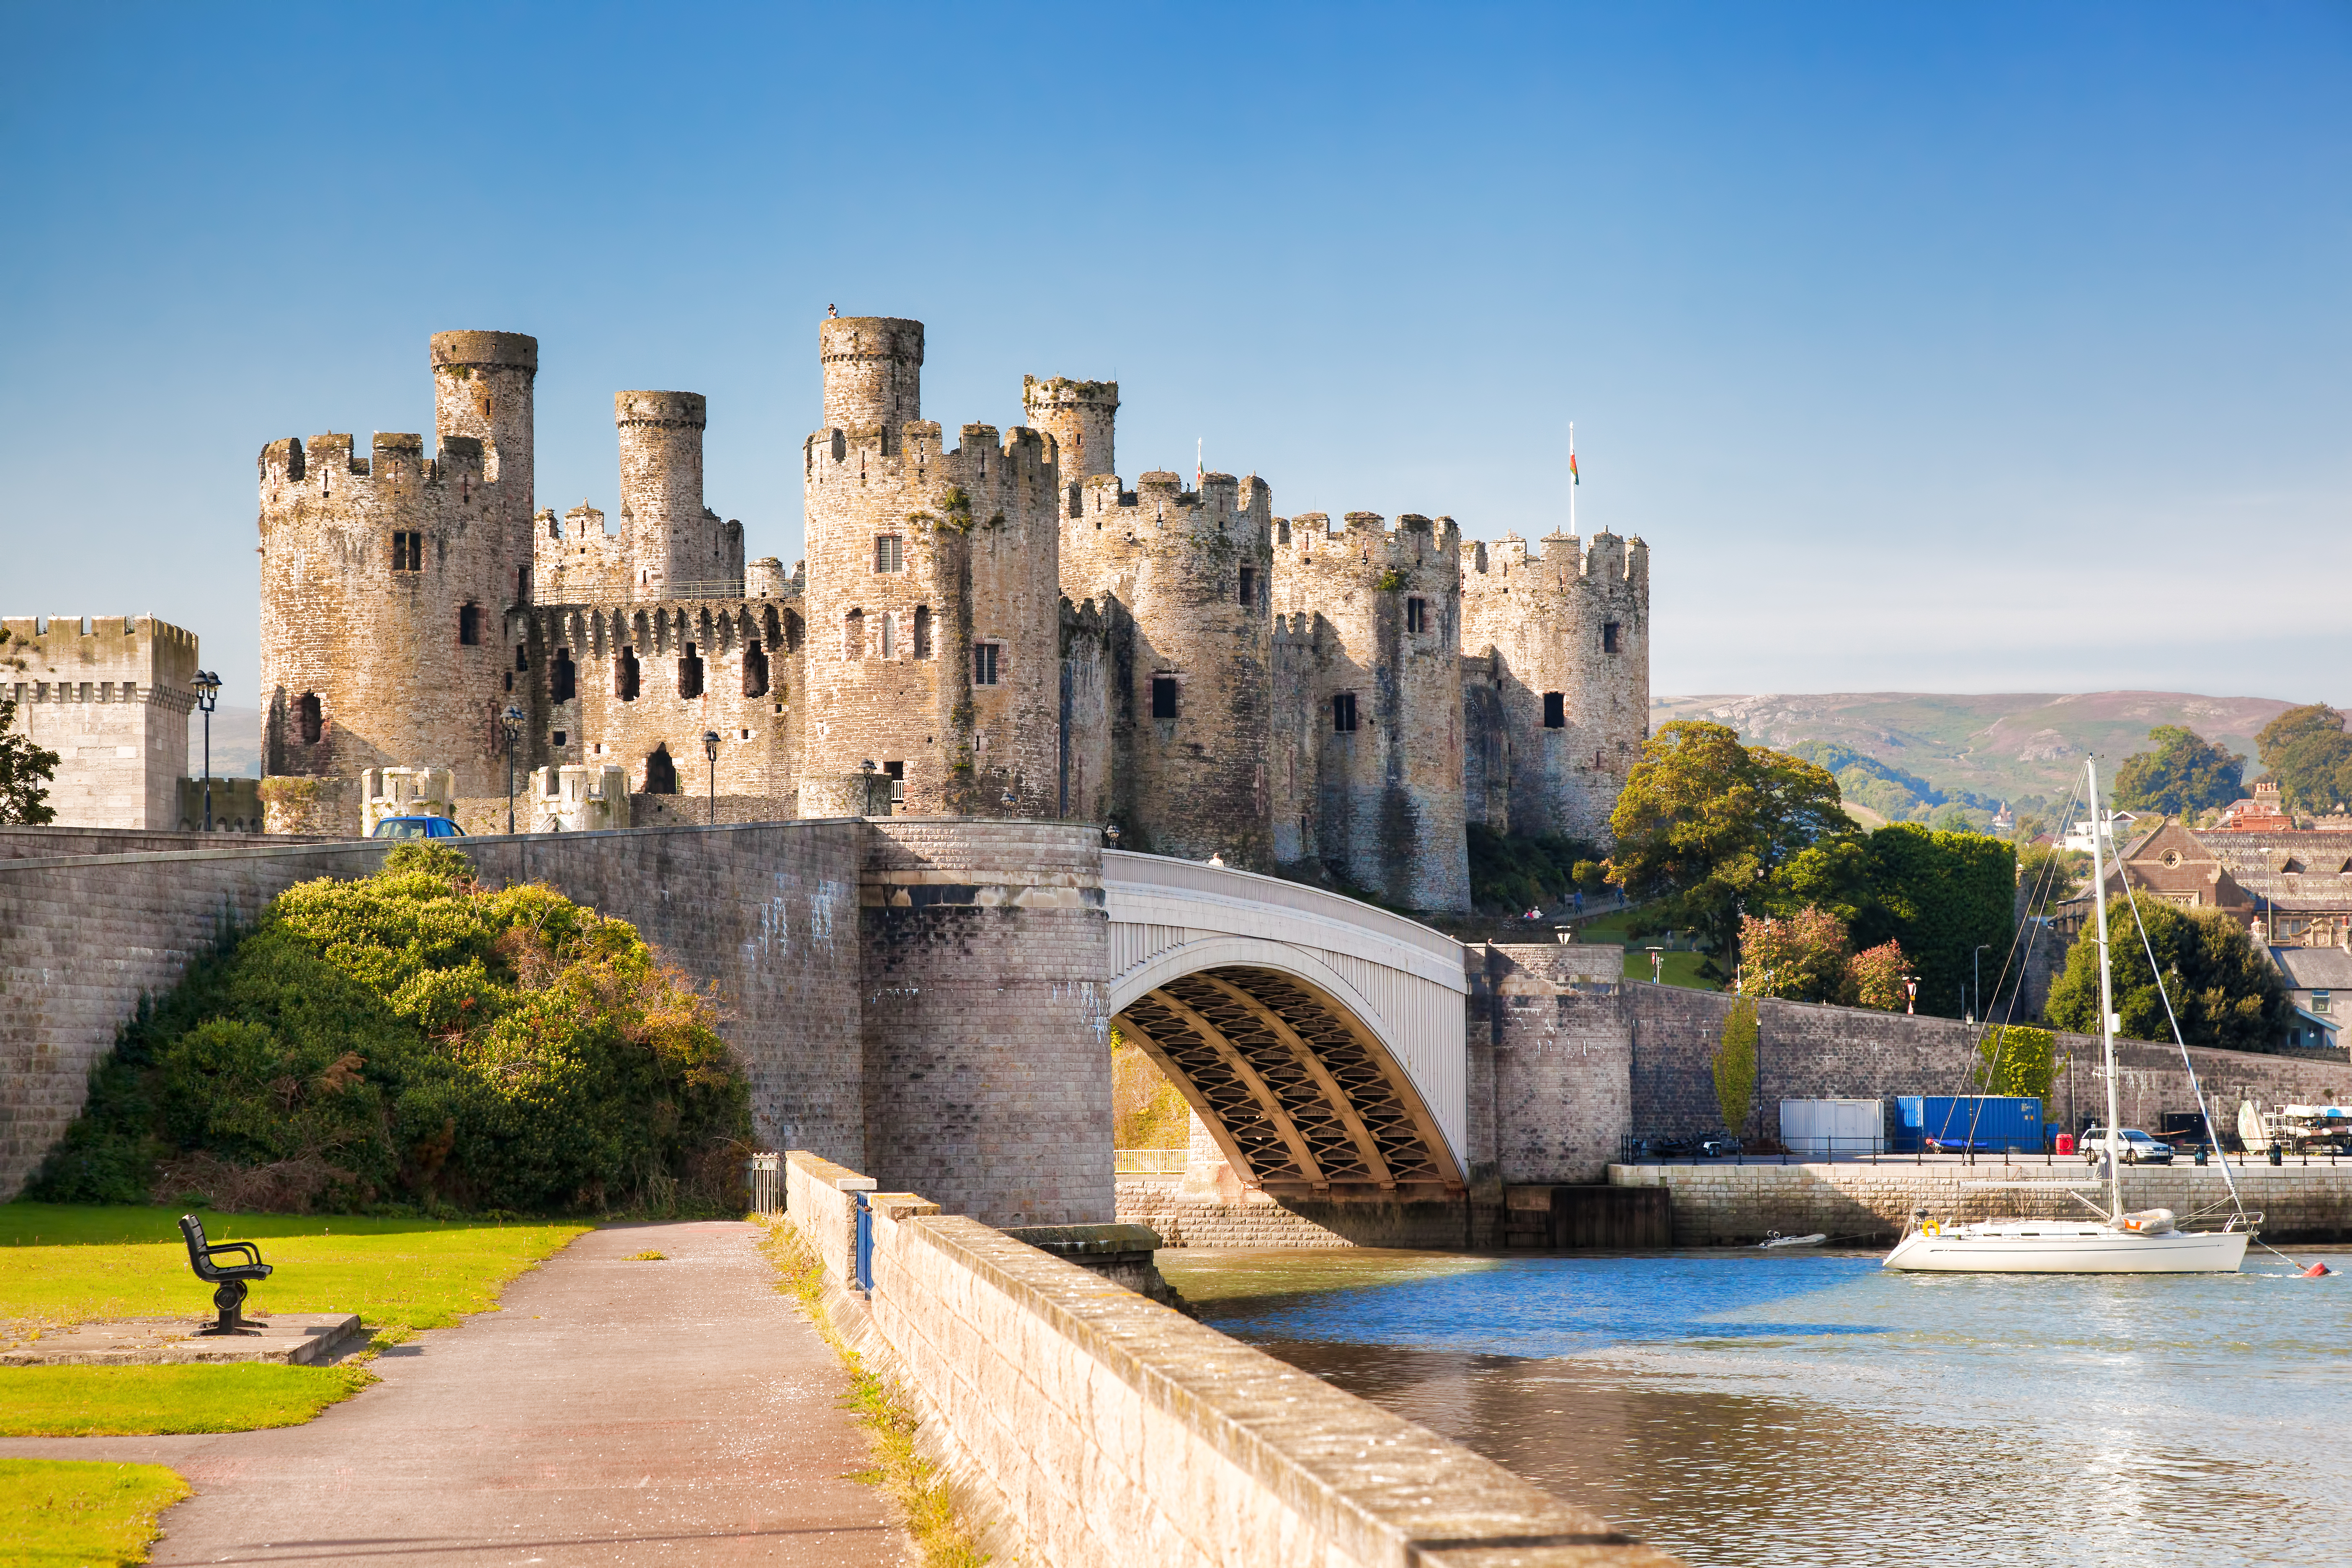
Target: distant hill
{"type": "Point", "coordinates": [237, 742]}
{"type": "Point", "coordinates": [1920, 755]}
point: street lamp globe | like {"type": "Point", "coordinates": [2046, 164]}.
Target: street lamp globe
{"type": "Point", "coordinates": [711, 752]}
{"type": "Point", "coordinates": [206, 686]}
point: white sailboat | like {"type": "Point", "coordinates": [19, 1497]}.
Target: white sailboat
{"type": "Point", "coordinates": [2111, 1241]}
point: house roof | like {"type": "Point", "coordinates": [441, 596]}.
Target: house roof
{"type": "Point", "coordinates": [2314, 968]}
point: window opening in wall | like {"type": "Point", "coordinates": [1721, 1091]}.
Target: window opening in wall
{"type": "Point", "coordinates": [523, 656]}
{"type": "Point", "coordinates": [792, 632]}
{"type": "Point", "coordinates": [1343, 713]}
{"type": "Point", "coordinates": [1555, 711]}
{"type": "Point", "coordinates": [562, 679]}
{"type": "Point", "coordinates": [889, 634]}
{"type": "Point", "coordinates": [1416, 615]}
{"type": "Point", "coordinates": [690, 673]}
{"type": "Point", "coordinates": [889, 552]}
{"type": "Point", "coordinates": [310, 722]}
{"type": "Point", "coordinates": [2319, 1001]}
{"type": "Point", "coordinates": [624, 676]}
{"type": "Point", "coordinates": [407, 550]}
{"type": "Point", "coordinates": [1248, 594]}
{"type": "Point", "coordinates": [922, 631]}
{"type": "Point", "coordinates": [898, 772]}
{"type": "Point", "coordinates": [661, 773]}
{"type": "Point", "coordinates": [509, 680]}
{"type": "Point", "coordinates": [983, 664]}
{"type": "Point", "coordinates": [755, 669]}
{"type": "Point", "coordinates": [559, 737]}
{"type": "Point", "coordinates": [1609, 637]}
{"type": "Point", "coordinates": [469, 625]}
{"type": "Point", "coordinates": [522, 584]}
{"type": "Point", "coordinates": [1163, 697]}
{"type": "Point", "coordinates": [853, 635]}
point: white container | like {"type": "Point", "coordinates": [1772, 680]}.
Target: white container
{"type": "Point", "coordinates": [1825, 1127]}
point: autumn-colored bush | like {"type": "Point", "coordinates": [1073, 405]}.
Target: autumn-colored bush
{"type": "Point", "coordinates": [414, 1038]}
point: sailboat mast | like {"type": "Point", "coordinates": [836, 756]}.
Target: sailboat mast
{"type": "Point", "coordinates": [2106, 993]}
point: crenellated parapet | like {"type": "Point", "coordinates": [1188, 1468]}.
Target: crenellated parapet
{"type": "Point", "coordinates": [1567, 625]}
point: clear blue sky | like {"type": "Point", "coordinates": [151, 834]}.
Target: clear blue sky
{"type": "Point", "coordinates": [1961, 347]}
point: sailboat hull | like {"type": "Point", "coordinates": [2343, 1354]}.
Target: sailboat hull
{"type": "Point", "coordinates": [2068, 1250]}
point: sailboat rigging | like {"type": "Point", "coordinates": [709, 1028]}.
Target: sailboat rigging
{"type": "Point", "coordinates": [2113, 1241]}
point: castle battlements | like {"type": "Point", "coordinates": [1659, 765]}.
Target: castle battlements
{"type": "Point", "coordinates": [992, 619]}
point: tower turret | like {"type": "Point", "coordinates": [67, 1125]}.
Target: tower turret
{"type": "Point", "coordinates": [1080, 417]}
{"type": "Point", "coordinates": [675, 545]}
{"type": "Point", "coordinates": [873, 372]}
{"type": "Point", "coordinates": [482, 386]}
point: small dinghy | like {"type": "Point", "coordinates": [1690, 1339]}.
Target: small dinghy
{"type": "Point", "coordinates": [1774, 1238]}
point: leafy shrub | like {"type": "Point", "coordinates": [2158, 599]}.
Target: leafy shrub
{"type": "Point", "coordinates": [1735, 1066]}
{"type": "Point", "coordinates": [2019, 1060]}
{"type": "Point", "coordinates": [1519, 872]}
{"type": "Point", "coordinates": [412, 1038]}
{"type": "Point", "coordinates": [1877, 976]}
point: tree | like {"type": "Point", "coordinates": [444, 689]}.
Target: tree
{"type": "Point", "coordinates": [2186, 773]}
{"type": "Point", "coordinates": [1941, 895]}
{"type": "Point", "coordinates": [2047, 875]}
{"type": "Point", "coordinates": [2020, 1060]}
{"type": "Point", "coordinates": [2307, 752]}
{"type": "Point", "coordinates": [1704, 823]}
{"type": "Point", "coordinates": [1800, 957]}
{"type": "Point", "coordinates": [1876, 975]}
{"type": "Point", "coordinates": [2224, 991]}
{"type": "Point", "coordinates": [1735, 1066]}
{"type": "Point", "coordinates": [26, 769]}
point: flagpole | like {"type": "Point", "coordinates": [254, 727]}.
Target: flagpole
{"type": "Point", "coordinates": [1571, 475]}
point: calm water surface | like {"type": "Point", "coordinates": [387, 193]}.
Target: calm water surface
{"type": "Point", "coordinates": [1767, 1409]}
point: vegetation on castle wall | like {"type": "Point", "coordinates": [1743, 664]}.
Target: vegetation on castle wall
{"type": "Point", "coordinates": [1735, 1066]}
{"type": "Point", "coordinates": [412, 1038]}
{"type": "Point", "coordinates": [1511, 872]}
{"type": "Point", "coordinates": [26, 770]}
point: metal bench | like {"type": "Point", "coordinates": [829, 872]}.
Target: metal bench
{"type": "Point", "coordinates": [229, 1278]}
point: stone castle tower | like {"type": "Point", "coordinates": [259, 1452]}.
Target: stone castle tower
{"type": "Point", "coordinates": [1000, 628]}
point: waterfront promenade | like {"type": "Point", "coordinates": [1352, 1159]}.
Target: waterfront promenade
{"type": "Point", "coordinates": [610, 1411]}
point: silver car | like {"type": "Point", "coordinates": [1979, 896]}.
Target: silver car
{"type": "Point", "coordinates": [2135, 1147]}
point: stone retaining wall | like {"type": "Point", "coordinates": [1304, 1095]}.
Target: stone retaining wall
{"type": "Point", "coordinates": [1718, 1205]}
{"type": "Point", "coordinates": [1087, 1426]}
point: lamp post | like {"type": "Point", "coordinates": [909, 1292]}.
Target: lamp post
{"type": "Point", "coordinates": [1657, 966]}
{"type": "Point", "coordinates": [511, 719]}
{"type": "Point", "coordinates": [711, 752]}
{"type": "Point", "coordinates": [206, 687]}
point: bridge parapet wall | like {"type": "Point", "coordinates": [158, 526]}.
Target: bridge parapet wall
{"type": "Point", "coordinates": [1093, 1426]}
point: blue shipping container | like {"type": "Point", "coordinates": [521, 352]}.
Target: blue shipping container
{"type": "Point", "coordinates": [1989, 1123]}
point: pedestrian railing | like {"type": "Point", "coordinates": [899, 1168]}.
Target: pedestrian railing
{"type": "Point", "coordinates": [763, 1176]}
{"type": "Point", "coordinates": [1148, 1161]}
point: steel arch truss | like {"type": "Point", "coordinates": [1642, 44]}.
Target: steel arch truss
{"type": "Point", "coordinates": [1300, 1096]}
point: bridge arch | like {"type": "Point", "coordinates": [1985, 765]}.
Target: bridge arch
{"type": "Point", "coordinates": [1319, 1039]}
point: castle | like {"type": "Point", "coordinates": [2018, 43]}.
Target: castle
{"type": "Point", "coordinates": [1000, 628]}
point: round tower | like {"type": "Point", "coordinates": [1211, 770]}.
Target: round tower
{"type": "Point", "coordinates": [664, 532]}
{"type": "Point", "coordinates": [1080, 415]}
{"type": "Point", "coordinates": [1386, 607]}
{"type": "Point", "coordinates": [873, 372]}
{"type": "Point", "coordinates": [1186, 579]}
{"type": "Point", "coordinates": [482, 387]}
{"type": "Point", "coordinates": [385, 579]}
{"type": "Point", "coordinates": [933, 645]}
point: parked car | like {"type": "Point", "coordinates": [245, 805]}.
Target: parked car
{"type": "Point", "coordinates": [2137, 1147]}
{"type": "Point", "coordinates": [417, 828]}
{"type": "Point", "coordinates": [1718, 1148]}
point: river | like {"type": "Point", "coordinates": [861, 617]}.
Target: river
{"type": "Point", "coordinates": [1751, 1409]}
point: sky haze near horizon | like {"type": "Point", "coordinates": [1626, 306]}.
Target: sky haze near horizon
{"type": "Point", "coordinates": [1984, 349]}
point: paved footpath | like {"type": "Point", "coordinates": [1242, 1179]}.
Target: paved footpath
{"type": "Point", "coordinates": [680, 1412]}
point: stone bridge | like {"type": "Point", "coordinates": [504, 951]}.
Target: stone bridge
{"type": "Point", "coordinates": [1320, 1040]}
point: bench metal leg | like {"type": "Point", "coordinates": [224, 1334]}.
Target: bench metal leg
{"type": "Point", "coordinates": [230, 1300]}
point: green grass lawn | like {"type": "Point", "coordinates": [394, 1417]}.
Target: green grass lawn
{"type": "Point", "coordinates": [1682, 968]}
{"type": "Point", "coordinates": [63, 1264]}
{"type": "Point", "coordinates": [120, 1401]}
{"type": "Point", "coordinates": [60, 1513]}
